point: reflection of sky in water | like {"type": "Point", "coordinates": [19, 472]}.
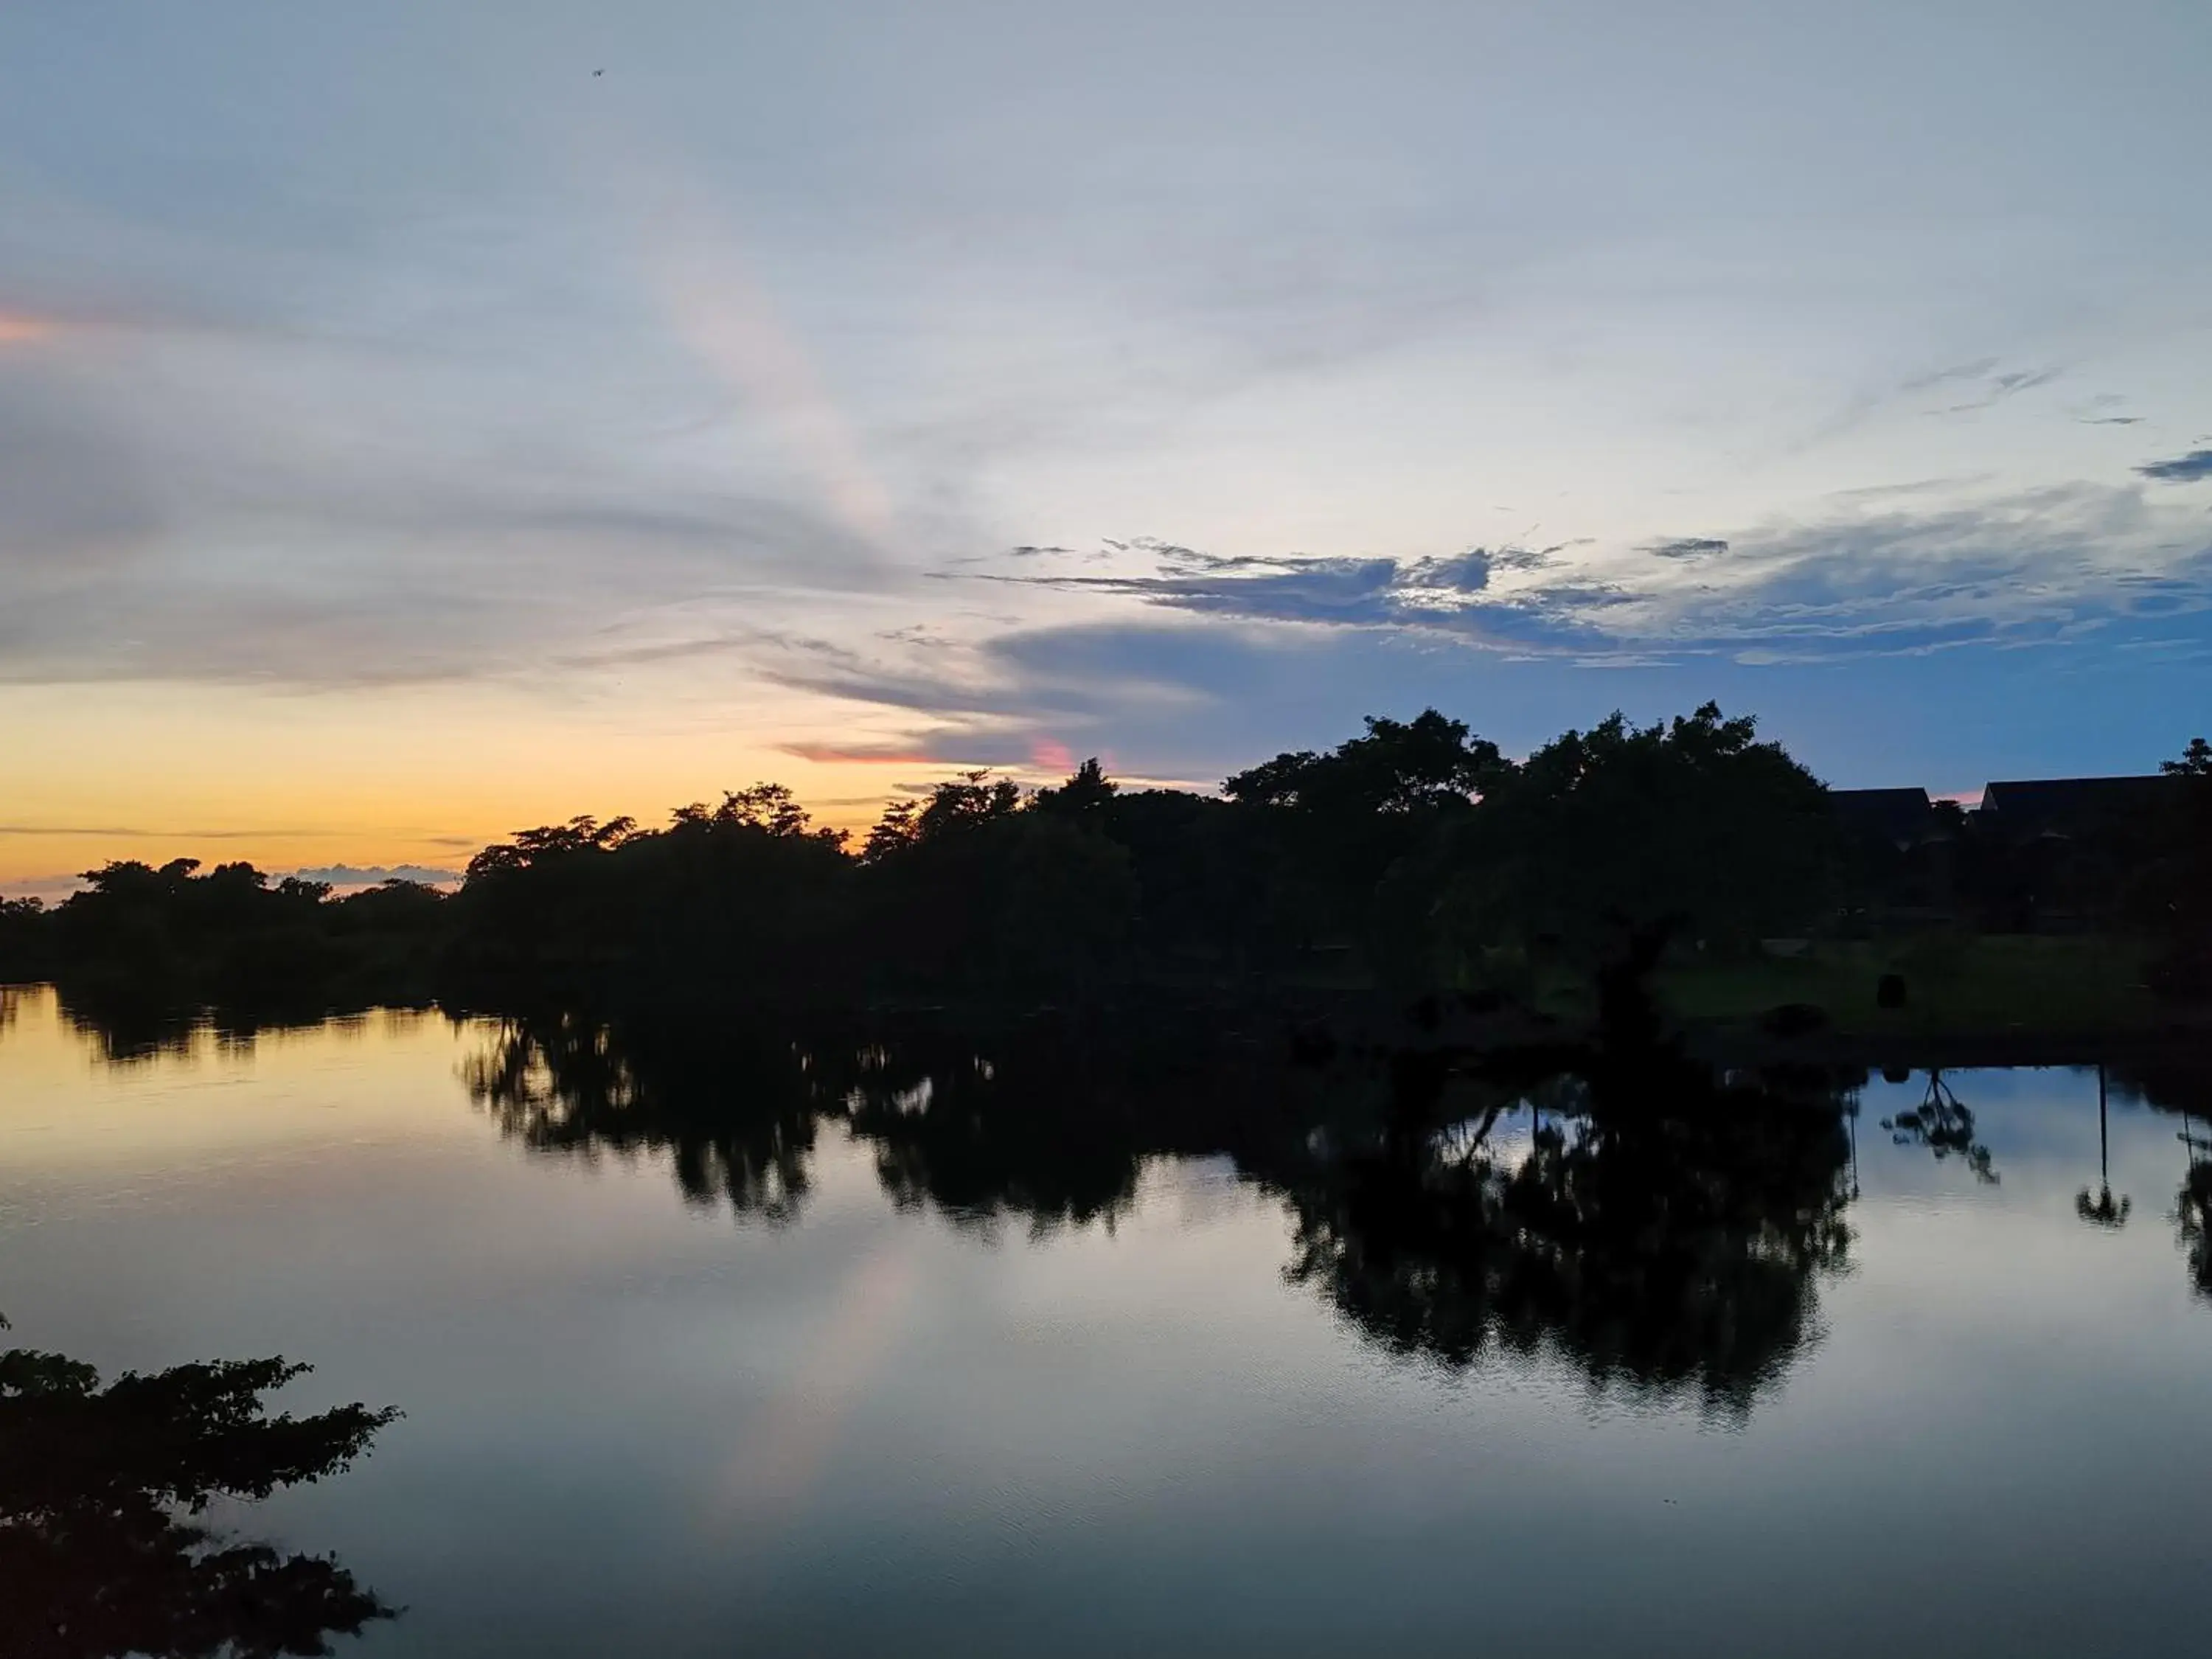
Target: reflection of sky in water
{"type": "Point", "coordinates": [638, 1427]}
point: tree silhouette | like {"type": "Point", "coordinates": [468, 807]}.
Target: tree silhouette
{"type": "Point", "coordinates": [976, 892]}
{"type": "Point", "coordinates": [965, 803]}
{"type": "Point", "coordinates": [1088, 789]}
{"type": "Point", "coordinates": [1693, 827]}
{"type": "Point", "coordinates": [99, 1553]}
{"type": "Point", "coordinates": [1336, 826]}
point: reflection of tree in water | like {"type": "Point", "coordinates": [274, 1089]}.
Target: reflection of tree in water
{"type": "Point", "coordinates": [735, 1109]}
{"type": "Point", "coordinates": [1945, 1125]}
{"type": "Point", "coordinates": [2193, 1212]}
{"type": "Point", "coordinates": [1041, 1127]}
{"type": "Point", "coordinates": [2192, 1208]}
{"type": "Point", "coordinates": [1663, 1239]}
{"type": "Point", "coordinates": [99, 1554]}
{"type": "Point", "coordinates": [2103, 1210]}
{"type": "Point", "coordinates": [1664, 1231]}
{"type": "Point", "coordinates": [2184, 1086]}
{"type": "Point", "coordinates": [129, 1030]}
{"type": "Point", "coordinates": [1028, 1133]}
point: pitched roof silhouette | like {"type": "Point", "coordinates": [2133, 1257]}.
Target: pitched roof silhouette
{"type": "Point", "coordinates": [1900, 817]}
{"type": "Point", "coordinates": [2071, 806]}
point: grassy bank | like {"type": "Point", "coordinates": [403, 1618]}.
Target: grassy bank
{"type": "Point", "coordinates": [1982, 985]}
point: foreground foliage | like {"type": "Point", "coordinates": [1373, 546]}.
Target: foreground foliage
{"type": "Point", "coordinates": [100, 1552]}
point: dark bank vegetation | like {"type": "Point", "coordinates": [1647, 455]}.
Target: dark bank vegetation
{"type": "Point", "coordinates": [140, 935]}
{"type": "Point", "coordinates": [102, 1549]}
{"type": "Point", "coordinates": [1412, 861]}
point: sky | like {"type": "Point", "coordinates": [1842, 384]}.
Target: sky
{"type": "Point", "coordinates": [419, 421]}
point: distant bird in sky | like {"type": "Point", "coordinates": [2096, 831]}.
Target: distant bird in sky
{"type": "Point", "coordinates": [597, 73]}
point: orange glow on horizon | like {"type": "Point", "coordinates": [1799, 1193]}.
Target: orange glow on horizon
{"type": "Point", "coordinates": [92, 773]}
{"type": "Point", "coordinates": [20, 328]}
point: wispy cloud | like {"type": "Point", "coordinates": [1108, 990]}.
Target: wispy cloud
{"type": "Point", "coordinates": [1984, 386]}
{"type": "Point", "coordinates": [47, 887]}
{"type": "Point", "coordinates": [861, 754]}
{"type": "Point", "coordinates": [136, 554]}
{"type": "Point", "coordinates": [1885, 572]}
{"type": "Point", "coordinates": [292, 492]}
{"type": "Point", "coordinates": [2182, 469]}
{"type": "Point", "coordinates": [2106, 408]}
{"type": "Point", "coordinates": [1979, 369]}
{"type": "Point", "coordinates": [2047, 567]}
{"type": "Point", "coordinates": [1451, 594]}
{"type": "Point", "coordinates": [719, 307]}
{"type": "Point", "coordinates": [1965, 388]}
{"type": "Point", "coordinates": [1190, 656]}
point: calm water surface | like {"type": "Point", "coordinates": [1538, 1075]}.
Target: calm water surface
{"type": "Point", "coordinates": [785, 1399]}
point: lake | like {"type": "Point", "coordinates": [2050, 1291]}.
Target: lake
{"type": "Point", "coordinates": [854, 1354]}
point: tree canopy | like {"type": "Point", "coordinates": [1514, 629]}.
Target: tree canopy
{"type": "Point", "coordinates": [1690, 826]}
{"type": "Point", "coordinates": [98, 1552]}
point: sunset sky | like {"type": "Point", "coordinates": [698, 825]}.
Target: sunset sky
{"type": "Point", "coordinates": [420, 420]}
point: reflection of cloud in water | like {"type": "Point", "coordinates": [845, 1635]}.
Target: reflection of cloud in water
{"type": "Point", "coordinates": [782, 1453]}
{"type": "Point", "coordinates": [1205, 1191]}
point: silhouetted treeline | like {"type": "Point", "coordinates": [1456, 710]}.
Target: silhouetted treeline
{"type": "Point", "coordinates": [142, 938]}
{"type": "Point", "coordinates": [1412, 857]}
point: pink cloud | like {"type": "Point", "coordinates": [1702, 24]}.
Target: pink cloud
{"type": "Point", "coordinates": [830, 753]}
